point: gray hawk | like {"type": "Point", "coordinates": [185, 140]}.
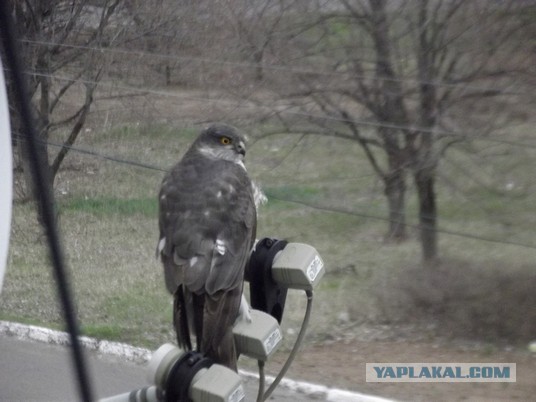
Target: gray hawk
{"type": "Point", "coordinates": [207, 225]}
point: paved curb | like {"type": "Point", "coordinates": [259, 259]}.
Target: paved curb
{"type": "Point", "coordinates": [318, 391]}
{"type": "Point", "coordinates": [47, 335]}
{"type": "Point", "coordinates": [141, 355]}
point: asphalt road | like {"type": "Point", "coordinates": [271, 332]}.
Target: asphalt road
{"type": "Point", "coordinates": [36, 371]}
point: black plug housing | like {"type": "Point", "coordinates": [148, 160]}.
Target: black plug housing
{"type": "Point", "coordinates": [266, 294]}
{"type": "Point", "coordinates": [181, 375]}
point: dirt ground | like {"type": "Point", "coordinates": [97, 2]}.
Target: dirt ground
{"type": "Point", "coordinates": [342, 365]}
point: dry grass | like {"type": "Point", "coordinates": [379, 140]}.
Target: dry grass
{"type": "Point", "coordinates": [480, 300]}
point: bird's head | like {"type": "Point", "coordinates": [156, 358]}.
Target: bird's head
{"type": "Point", "coordinates": [220, 141]}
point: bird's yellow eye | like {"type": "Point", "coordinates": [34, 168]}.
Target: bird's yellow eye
{"type": "Point", "coordinates": [225, 140]}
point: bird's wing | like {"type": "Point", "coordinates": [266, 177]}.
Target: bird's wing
{"type": "Point", "coordinates": [225, 281]}
{"type": "Point", "coordinates": [235, 239]}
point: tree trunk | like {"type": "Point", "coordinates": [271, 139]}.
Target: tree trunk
{"type": "Point", "coordinates": [258, 56]}
{"type": "Point", "coordinates": [394, 180]}
{"type": "Point", "coordinates": [30, 186]}
{"type": "Point", "coordinates": [395, 191]}
{"type": "Point", "coordinates": [425, 182]}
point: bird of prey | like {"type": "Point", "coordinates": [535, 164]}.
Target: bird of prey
{"type": "Point", "coordinates": [207, 225]}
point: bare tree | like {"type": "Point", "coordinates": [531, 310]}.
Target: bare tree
{"type": "Point", "coordinates": [59, 43]}
{"type": "Point", "coordinates": [400, 79]}
{"type": "Point", "coordinates": [168, 30]}
{"type": "Point", "coordinates": [254, 25]}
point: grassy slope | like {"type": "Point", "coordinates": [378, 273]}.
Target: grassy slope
{"type": "Point", "coordinates": [108, 220]}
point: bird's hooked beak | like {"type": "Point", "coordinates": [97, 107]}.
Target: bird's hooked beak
{"type": "Point", "coordinates": [241, 148]}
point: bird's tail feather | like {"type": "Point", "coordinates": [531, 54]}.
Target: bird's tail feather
{"type": "Point", "coordinates": [220, 312]}
{"type": "Point", "coordinates": [198, 305]}
{"type": "Point", "coordinates": [180, 320]}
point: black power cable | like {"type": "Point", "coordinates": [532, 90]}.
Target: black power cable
{"type": "Point", "coordinates": [44, 193]}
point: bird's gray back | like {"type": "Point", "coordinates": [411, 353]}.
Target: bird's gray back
{"type": "Point", "coordinates": [209, 213]}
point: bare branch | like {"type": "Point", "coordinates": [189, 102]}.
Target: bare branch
{"type": "Point", "coordinates": [75, 130]}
